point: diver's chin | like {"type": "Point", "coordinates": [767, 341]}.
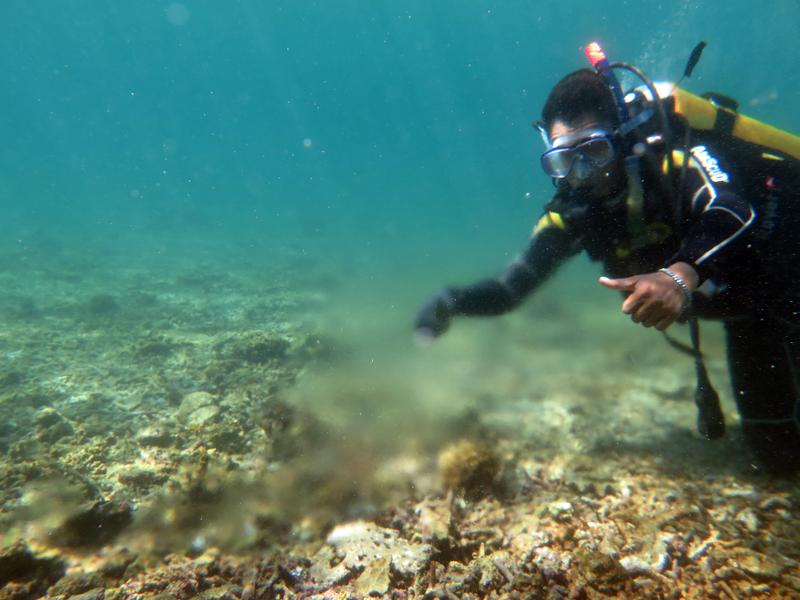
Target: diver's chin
{"type": "Point", "coordinates": [586, 187]}
{"type": "Point", "coordinates": [596, 186]}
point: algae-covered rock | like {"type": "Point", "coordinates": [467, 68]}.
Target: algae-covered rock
{"type": "Point", "coordinates": [114, 566]}
{"type": "Point", "coordinates": [97, 593]}
{"type": "Point", "coordinates": [221, 592]}
{"type": "Point", "coordinates": [51, 426]}
{"type": "Point", "coordinates": [258, 347]}
{"type": "Point", "coordinates": [375, 578]}
{"type": "Point", "coordinates": [142, 477]}
{"type": "Point", "coordinates": [377, 553]}
{"type": "Point", "coordinates": [762, 566]}
{"type": "Point", "coordinates": [10, 379]}
{"type": "Point", "coordinates": [73, 584]}
{"type": "Point", "coordinates": [18, 565]}
{"type": "Point", "coordinates": [434, 521]}
{"type": "Point", "coordinates": [470, 468]}
{"type": "Point", "coordinates": [94, 525]}
{"type": "Point", "coordinates": [598, 570]}
{"type": "Point", "coordinates": [561, 510]}
{"type": "Point", "coordinates": [198, 408]}
{"type": "Point", "coordinates": [102, 305]}
{"type": "Point", "coordinates": [157, 435]}
{"type": "Point", "coordinates": [155, 347]}
{"type": "Point", "coordinates": [488, 572]}
{"type": "Point", "coordinates": [47, 417]}
{"type": "Point", "coordinates": [228, 438]}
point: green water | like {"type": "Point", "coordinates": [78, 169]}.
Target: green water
{"type": "Point", "coordinates": [182, 173]}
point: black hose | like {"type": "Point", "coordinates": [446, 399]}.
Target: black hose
{"type": "Point", "coordinates": [710, 420]}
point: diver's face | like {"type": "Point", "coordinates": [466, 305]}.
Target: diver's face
{"type": "Point", "coordinates": [584, 175]}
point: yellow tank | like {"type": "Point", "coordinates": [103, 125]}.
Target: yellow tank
{"type": "Point", "coordinates": [702, 114]}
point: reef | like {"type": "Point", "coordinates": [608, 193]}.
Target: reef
{"type": "Point", "coordinates": [161, 439]}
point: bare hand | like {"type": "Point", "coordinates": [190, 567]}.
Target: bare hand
{"type": "Point", "coordinates": [654, 299]}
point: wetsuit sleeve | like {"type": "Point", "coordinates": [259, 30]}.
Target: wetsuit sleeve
{"type": "Point", "coordinates": [718, 216]}
{"type": "Point", "coordinates": [550, 245]}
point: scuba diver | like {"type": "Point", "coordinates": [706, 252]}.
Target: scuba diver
{"type": "Point", "coordinates": [694, 211]}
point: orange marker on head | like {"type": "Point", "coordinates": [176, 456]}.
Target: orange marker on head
{"type": "Point", "coordinates": [597, 57]}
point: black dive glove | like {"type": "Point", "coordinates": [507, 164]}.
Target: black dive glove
{"type": "Point", "coordinates": [433, 318]}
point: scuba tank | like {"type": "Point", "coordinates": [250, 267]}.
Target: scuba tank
{"type": "Point", "coordinates": [719, 114]}
{"type": "Point", "coordinates": [714, 115]}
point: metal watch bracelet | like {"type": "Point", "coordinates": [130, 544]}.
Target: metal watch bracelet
{"type": "Point", "coordinates": [687, 293]}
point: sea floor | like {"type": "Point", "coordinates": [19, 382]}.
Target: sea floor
{"type": "Point", "coordinates": [235, 428]}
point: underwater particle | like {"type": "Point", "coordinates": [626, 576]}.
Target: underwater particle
{"type": "Point", "coordinates": [170, 146]}
{"type": "Point", "coordinates": [199, 543]}
{"type": "Point", "coordinates": [307, 143]}
{"type": "Point", "coordinates": [765, 98]}
{"type": "Point", "coordinates": [177, 14]}
{"type": "Point", "coordinates": [469, 467]}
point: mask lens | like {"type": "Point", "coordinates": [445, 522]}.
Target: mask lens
{"type": "Point", "coordinates": [558, 162]}
{"type": "Point", "coordinates": [598, 151]}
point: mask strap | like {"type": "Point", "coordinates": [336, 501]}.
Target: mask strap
{"type": "Point", "coordinates": [539, 125]}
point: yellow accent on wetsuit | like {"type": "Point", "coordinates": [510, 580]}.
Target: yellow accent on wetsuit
{"type": "Point", "coordinates": [550, 219]}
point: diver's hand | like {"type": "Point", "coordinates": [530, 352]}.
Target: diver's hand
{"type": "Point", "coordinates": [654, 299]}
{"type": "Point", "coordinates": [433, 318]}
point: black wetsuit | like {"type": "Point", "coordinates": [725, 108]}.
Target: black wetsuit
{"type": "Point", "coordinates": [733, 213]}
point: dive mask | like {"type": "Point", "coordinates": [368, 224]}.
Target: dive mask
{"type": "Point", "coordinates": [593, 149]}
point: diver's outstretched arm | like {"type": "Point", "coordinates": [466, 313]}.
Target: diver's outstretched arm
{"type": "Point", "coordinates": [548, 248]}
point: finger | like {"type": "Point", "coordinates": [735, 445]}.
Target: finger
{"type": "Point", "coordinates": [625, 284]}
{"type": "Point", "coordinates": [650, 313]}
{"type": "Point", "coordinates": [650, 318]}
{"type": "Point", "coordinates": [636, 314]}
{"type": "Point", "coordinates": [664, 323]}
{"type": "Point", "coordinates": [632, 303]}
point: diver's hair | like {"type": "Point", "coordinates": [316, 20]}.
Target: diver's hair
{"type": "Point", "coordinates": [581, 93]}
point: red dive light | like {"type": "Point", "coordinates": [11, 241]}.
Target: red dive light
{"type": "Point", "coordinates": [596, 55]}
{"type": "Point", "coordinates": [599, 61]}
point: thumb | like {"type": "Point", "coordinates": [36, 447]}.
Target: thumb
{"type": "Point", "coordinates": [625, 283]}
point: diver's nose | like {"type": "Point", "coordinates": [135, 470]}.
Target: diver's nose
{"type": "Point", "coordinates": [581, 169]}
